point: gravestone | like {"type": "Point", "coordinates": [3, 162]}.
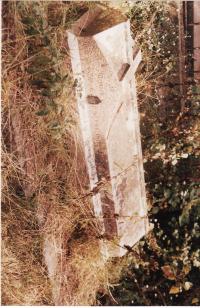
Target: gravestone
{"type": "Point", "coordinates": [104, 61]}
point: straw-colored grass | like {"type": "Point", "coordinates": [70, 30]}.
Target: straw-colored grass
{"type": "Point", "coordinates": [44, 174]}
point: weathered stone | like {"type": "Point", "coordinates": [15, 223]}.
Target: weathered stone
{"type": "Point", "coordinates": [104, 59]}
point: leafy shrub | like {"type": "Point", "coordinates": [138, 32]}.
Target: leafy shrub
{"type": "Point", "coordinates": [165, 269]}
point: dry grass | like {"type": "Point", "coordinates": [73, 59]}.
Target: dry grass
{"type": "Point", "coordinates": [43, 178]}
{"type": "Point", "coordinates": [24, 278]}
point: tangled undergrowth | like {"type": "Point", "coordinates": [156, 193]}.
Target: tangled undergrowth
{"type": "Point", "coordinates": [44, 175]}
{"type": "Point", "coordinates": [44, 171]}
{"type": "Point", "coordinates": [165, 270]}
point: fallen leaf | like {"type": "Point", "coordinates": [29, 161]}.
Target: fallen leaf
{"type": "Point", "coordinates": [186, 269]}
{"type": "Point", "coordinates": [168, 272]}
{"type": "Point", "coordinates": [195, 300]}
{"type": "Point", "coordinates": [174, 290]}
{"type": "Point", "coordinates": [188, 285]}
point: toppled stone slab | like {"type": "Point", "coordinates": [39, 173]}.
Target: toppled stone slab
{"type": "Point", "coordinates": [104, 60]}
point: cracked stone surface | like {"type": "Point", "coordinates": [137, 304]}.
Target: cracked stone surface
{"type": "Point", "coordinates": [104, 60]}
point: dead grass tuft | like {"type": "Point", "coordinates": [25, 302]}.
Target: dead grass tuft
{"type": "Point", "coordinates": [24, 278]}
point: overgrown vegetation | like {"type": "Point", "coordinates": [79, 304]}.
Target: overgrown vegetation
{"type": "Point", "coordinates": [164, 269]}
{"type": "Point", "coordinates": [42, 174]}
{"type": "Point", "coordinates": [44, 171]}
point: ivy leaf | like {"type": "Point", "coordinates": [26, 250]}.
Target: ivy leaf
{"type": "Point", "coordinates": [55, 126]}
{"type": "Point", "coordinates": [42, 113]}
{"type": "Point", "coordinates": [39, 83]}
{"type": "Point", "coordinates": [184, 219]}
{"type": "Point", "coordinates": [196, 89]}
{"type": "Point", "coordinates": [167, 193]}
{"type": "Point", "coordinates": [155, 209]}
{"type": "Point", "coordinates": [41, 60]}
{"type": "Point", "coordinates": [65, 77]}
{"type": "Point", "coordinates": [46, 92]}
{"type": "Point", "coordinates": [28, 20]}
{"type": "Point", "coordinates": [32, 31]}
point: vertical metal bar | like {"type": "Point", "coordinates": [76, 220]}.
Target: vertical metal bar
{"type": "Point", "coordinates": [182, 73]}
{"type": "Point", "coordinates": [196, 40]}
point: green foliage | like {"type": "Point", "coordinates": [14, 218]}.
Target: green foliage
{"type": "Point", "coordinates": [42, 112]}
{"type": "Point", "coordinates": [45, 26]}
{"type": "Point", "coordinates": [167, 269]}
